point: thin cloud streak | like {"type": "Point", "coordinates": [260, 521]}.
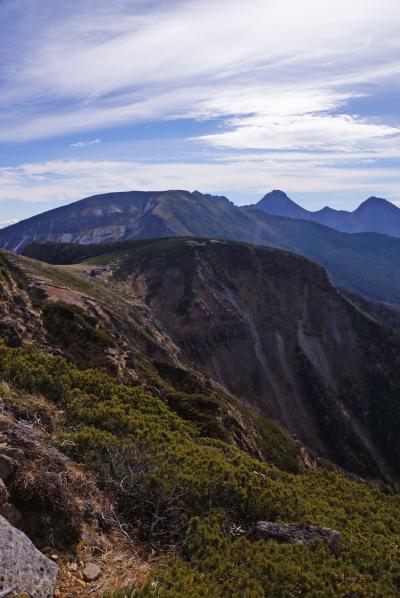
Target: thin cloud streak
{"type": "Point", "coordinates": [79, 144]}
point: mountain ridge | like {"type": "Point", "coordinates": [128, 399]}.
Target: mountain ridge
{"type": "Point", "coordinates": [375, 214]}
{"type": "Point", "coordinates": [365, 263]}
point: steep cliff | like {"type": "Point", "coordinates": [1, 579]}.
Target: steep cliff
{"type": "Point", "coordinates": [269, 326]}
{"type": "Point", "coordinates": [265, 325]}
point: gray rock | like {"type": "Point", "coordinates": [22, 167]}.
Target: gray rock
{"type": "Point", "coordinates": [297, 534]}
{"type": "Point", "coordinates": [7, 467]}
{"type": "Point", "coordinates": [23, 568]}
{"type": "Point", "coordinates": [3, 493]}
{"type": "Point", "coordinates": [91, 572]}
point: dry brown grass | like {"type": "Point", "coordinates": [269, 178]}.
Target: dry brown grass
{"type": "Point", "coordinates": [124, 564]}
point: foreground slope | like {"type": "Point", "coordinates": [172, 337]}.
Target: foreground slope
{"type": "Point", "coordinates": [109, 472]}
{"type": "Point", "coordinates": [364, 263]}
{"type": "Point", "coordinates": [269, 327]}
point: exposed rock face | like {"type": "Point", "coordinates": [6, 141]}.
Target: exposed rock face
{"type": "Point", "coordinates": [297, 534]}
{"type": "Point", "coordinates": [18, 320]}
{"type": "Point", "coordinates": [23, 568]}
{"type": "Point", "coordinates": [269, 326]}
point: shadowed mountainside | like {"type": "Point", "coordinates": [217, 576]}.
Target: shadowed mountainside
{"type": "Point", "coordinates": [281, 338]}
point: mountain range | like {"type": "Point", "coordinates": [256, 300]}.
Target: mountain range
{"type": "Point", "coordinates": [375, 214]}
{"type": "Point", "coordinates": [365, 263]}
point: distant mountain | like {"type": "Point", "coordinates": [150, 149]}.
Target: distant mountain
{"type": "Point", "coordinates": [366, 263]}
{"type": "Point", "coordinates": [373, 215]}
{"type": "Point", "coordinates": [277, 203]}
{"type": "Point", "coordinates": [120, 216]}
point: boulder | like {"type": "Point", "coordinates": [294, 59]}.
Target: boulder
{"type": "Point", "coordinates": [91, 572]}
{"type": "Point", "coordinates": [297, 534]}
{"type": "Point", "coordinates": [23, 568]}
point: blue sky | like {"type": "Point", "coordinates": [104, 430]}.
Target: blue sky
{"type": "Point", "coordinates": [227, 97]}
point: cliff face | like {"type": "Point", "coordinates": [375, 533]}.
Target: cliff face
{"type": "Point", "coordinates": [227, 319]}
{"type": "Point", "coordinates": [270, 327]}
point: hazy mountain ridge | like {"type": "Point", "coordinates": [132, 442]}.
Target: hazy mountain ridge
{"type": "Point", "coordinates": [375, 214]}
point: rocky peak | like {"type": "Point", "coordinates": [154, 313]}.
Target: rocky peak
{"type": "Point", "coordinates": [278, 203]}
{"type": "Point", "coordinates": [377, 203]}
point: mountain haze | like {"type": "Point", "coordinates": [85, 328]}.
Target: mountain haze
{"type": "Point", "coordinates": [375, 214]}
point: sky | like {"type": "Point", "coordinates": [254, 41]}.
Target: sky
{"type": "Point", "coordinates": [227, 97]}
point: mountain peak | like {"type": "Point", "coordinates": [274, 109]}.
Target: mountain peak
{"type": "Point", "coordinates": [374, 202]}
{"type": "Point", "coordinates": [276, 194]}
{"type": "Point", "coordinates": [277, 203]}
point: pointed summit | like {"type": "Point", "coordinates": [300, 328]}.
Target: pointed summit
{"type": "Point", "coordinates": [277, 203]}
{"type": "Point", "coordinates": [377, 203]}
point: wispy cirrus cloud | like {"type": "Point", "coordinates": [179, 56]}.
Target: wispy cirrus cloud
{"type": "Point", "coordinates": [135, 60]}
{"type": "Point", "coordinates": [79, 144]}
{"type": "Point", "coordinates": [272, 78]}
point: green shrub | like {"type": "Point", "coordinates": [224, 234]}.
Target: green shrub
{"type": "Point", "coordinates": [220, 489]}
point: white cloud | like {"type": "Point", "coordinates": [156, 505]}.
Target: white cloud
{"type": "Point", "coordinates": [79, 144]}
{"type": "Point", "coordinates": [278, 76]}
{"type": "Point", "coordinates": [131, 61]}
{"type": "Point", "coordinates": [69, 180]}
{"type": "Point", "coordinates": [306, 131]}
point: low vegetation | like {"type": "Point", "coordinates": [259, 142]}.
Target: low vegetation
{"type": "Point", "coordinates": [174, 485]}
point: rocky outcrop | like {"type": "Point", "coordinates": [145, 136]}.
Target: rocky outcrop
{"type": "Point", "coordinates": [23, 568]}
{"type": "Point", "coordinates": [18, 320]}
{"type": "Point", "coordinates": [297, 534]}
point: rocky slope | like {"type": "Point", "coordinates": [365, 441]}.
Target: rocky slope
{"type": "Point", "coordinates": [111, 480]}
{"type": "Point", "coordinates": [269, 328]}
{"type": "Point", "coordinates": [64, 311]}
